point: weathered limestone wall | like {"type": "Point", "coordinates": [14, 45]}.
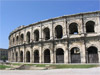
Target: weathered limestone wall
{"type": "Point", "coordinates": [82, 40]}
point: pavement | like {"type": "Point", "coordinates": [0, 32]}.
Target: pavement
{"type": "Point", "coordinates": [89, 71]}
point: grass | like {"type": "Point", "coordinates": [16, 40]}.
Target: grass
{"type": "Point", "coordinates": [73, 66]}
{"type": "Point", "coordinates": [60, 66]}
{"type": "Point", "coordinates": [37, 65]}
{"type": "Point", "coordinates": [16, 64]}
{"type": "Point", "coordinates": [4, 67]}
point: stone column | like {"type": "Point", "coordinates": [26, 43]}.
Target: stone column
{"type": "Point", "coordinates": [25, 39]}
{"type": "Point", "coordinates": [51, 56]}
{"type": "Point", "coordinates": [24, 54]}
{"type": "Point", "coordinates": [51, 32]}
{"type": "Point", "coordinates": [31, 33]}
{"type": "Point", "coordinates": [31, 56]}
{"type": "Point", "coordinates": [54, 57]}
{"type": "Point", "coordinates": [69, 56]}
{"type": "Point", "coordinates": [64, 29]}
{"type": "Point", "coordinates": [11, 56]}
{"type": "Point", "coordinates": [40, 33]}
{"type": "Point", "coordinates": [14, 55]}
{"type": "Point", "coordinates": [18, 54]}
{"type": "Point", "coordinates": [66, 56]}
{"type": "Point", "coordinates": [82, 54]}
{"type": "Point", "coordinates": [41, 57]}
{"type": "Point", "coordinates": [99, 56]}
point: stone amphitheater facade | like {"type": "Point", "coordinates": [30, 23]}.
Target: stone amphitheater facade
{"type": "Point", "coordinates": [66, 39]}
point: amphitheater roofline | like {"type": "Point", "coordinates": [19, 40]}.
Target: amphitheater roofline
{"type": "Point", "coordinates": [23, 26]}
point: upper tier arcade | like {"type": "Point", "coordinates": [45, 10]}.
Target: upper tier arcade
{"type": "Point", "coordinates": [64, 27]}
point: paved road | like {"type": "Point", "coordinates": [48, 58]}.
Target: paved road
{"type": "Point", "coordinates": [91, 71]}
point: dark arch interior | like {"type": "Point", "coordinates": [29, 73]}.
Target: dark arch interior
{"type": "Point", "coordinates": [47, 56]}
{"type": "Point", "coordinates": [28, 37]}
{"type": "Point", "coordinates": [27, 56]}
{"type": "Point", "coordinates": [17, 38]}
{"type": "Point", "coordinates": [59, 31]}
{"type": "Point", "coordinates": [75, 55]}
{"type": "Point", "coordinates": [36, 35]}
{"type": "Point", "coordinates": [22, 38]}
{"type": "Point", "coordinates": [92, 55]}
{"type": "Point", "coordinates": [21, 56]}
{"type": "Point", "coordinates": [92, 50]}
{"type": "Point", "coordinates": [73, 28]}
{"type": "Point", "coordinates": [90, 27]}
{"type": "Point", "coordinates": [46, 33]}
{"type": "Point", "coordinates": [36, 56]}
{"type": "Point", "coordinates": [59, 56]}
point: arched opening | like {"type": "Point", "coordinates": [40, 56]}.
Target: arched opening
{"type": "Point", "coordinates": [59, 55]}
{"type": "Point", "coordinates": [36, 35]}
{"type": "Point", "coordinates": [58, 31]}
{"type": "Point", "coordinates": [22, 38]}
{"type": "Point", "coordinates": [47, 56]}
{"type": "Point", "coordinates": [92, 55]}
{"type": "Point", "coordinates": [21, 56]}
{"type": "Point", "coordinates": [73, 28]}
{"type": "Point", "coordinates": [46, 33]}
{"type": "Point", "coordinates": [16, 56]}
{"type": "Point", "coordinates": [75, 55]}
{"type": "Point", "coordinates": [28, 37]}
{"type": "Point", "coordinates": [90, 27]}
{"type": "Point", "coordinates": [36, 56]}
{"type": "Point", "coordinates": [17, 39]}
{"type": "Point", "coordinates": [27, 56]}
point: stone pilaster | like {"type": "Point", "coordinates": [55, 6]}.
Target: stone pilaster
{"type": "Point", "coordinates": [69, 56]}
{"type": "Point", "coordinates": [40, 56]}
{"type": "Point", "coordinates": [83, 54]}
{"type": "Point", "coordinates": [99, 56]}
{"type": "Point", "coordinates": [18, 54]}
{"type": "Point", "coordinates": [52, 57]}
{"type": "Point", "coordinates": [31, 56]}
{"type": "Point", "coordinates": [66, 56]}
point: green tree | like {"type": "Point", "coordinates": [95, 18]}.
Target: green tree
{"type": "Point", "coordinates": [4, 58]}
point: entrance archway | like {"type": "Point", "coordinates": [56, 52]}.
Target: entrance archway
{"type": "Point", "coordinates": [21, 56]}
{"type": "Point", "coordinates": [75, 55]}
{"type": "Point", "coordinates": [36, 56]}
{"type": "Point", "coordinates": [92, 55]}
{"type": "Point", "coordinates": [27, 56]}
{"type": "Point", "coordinates": [59, 55]}
{"type": "Point", "coordinates": [47, 56]}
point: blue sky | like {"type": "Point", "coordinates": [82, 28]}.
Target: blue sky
{"type": "Point", "coordinates": [14, 13]}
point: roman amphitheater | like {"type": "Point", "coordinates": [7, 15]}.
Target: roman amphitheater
{"type": "Point", "coordinates": [66, 39]}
